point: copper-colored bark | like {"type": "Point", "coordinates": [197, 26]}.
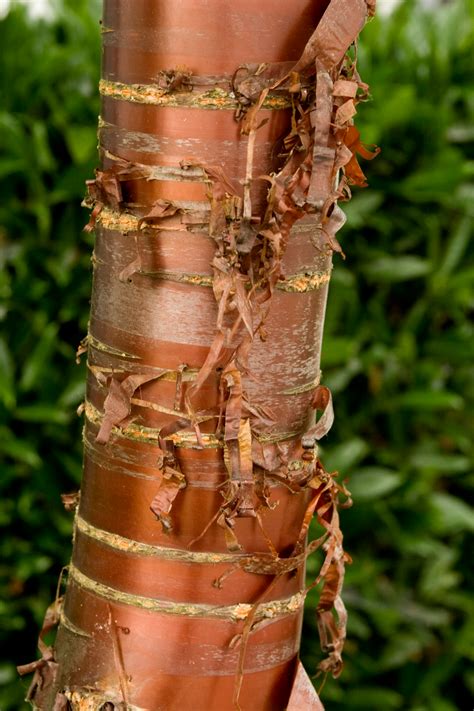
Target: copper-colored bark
{"type": "Point", "coordinates": [200, 475]}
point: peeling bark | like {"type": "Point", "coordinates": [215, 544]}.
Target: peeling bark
{"type": "Point", "coordinates": [226, 143]}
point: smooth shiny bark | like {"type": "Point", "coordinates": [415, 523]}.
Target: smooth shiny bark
{"type": "Point", "coordinates": [161, 606]}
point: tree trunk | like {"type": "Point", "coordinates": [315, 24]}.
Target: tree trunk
{"type": "Point", "coordinates": [215, 215]}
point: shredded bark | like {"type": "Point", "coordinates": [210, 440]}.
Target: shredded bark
{"type": "Point", "coordinates": [319, 164]}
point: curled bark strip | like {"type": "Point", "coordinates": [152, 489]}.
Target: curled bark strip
{"type": "Point", "coordinates": [71, 501]}
{"type": "Point", "coordinates": [338, 28]}
{"type": "Point", "coordinates": [130, 430]}
{"type": "Point", "coordinates": [345, 88]}
{"type": "Point", "coordinates": [322, 400]}
{"type": "Point", "coordinates": [352, 168]}
{"type": "Point", "coordinates": [117, 405]}
{"type": "Point", "coordinates": [160, 210]}
{"type": "Point", "coordinates": [332, 631]}
{"type": "Point", "coordinates": [173, 480]}
{"type": "Point", "coordinates": [186, 174]}
{"type": "Point", "coordinates": [104, 190]}
{"type": "Point", "coordinates": [174, 80]}
{"type": "Point", "coordinates": [45, 668]}
{"type": "Point", "coordinates": [322, 174]}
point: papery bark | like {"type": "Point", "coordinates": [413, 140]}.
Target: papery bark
{"type": "Point", "coordinates": [223, 134]}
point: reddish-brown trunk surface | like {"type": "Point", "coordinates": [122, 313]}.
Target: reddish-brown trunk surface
{"type": "Point", "coordinates": [186, 586]}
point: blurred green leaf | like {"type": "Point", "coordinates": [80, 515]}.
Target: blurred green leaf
{"type": "Point", "coordinates": [42, 414]}
{"type": "Point", "coordinates": [7, 376]}
{"type": "Point", "coordinates": [430, 400]}
{"type": "Point", "coordinates": [20, 450]}
{"type": "Point", "coordinates": [344, 456]}
{"type": "Point", "coordinates": [392, 269]}
{"type": "Point", "coordinates": [37, 363]}
{"type": "Point", "coordinates": [456, 246]}
{"type": "Point", "coordinates": [81, 142]}
{"type": "Point", "coordinates": [436, 181]}
{"type": "Point", "coordinates": [451, 514]}
{"type": "Point", "coordinates": [373, 698]}
{"type": "Point", "coordinates": [373, 483]}
{"type": "Point", "coordinates": [400, 650]}
{"type": "Point", "coordinates": [337, 351]}
{"type": "Point", "coordinates": [447, 464]}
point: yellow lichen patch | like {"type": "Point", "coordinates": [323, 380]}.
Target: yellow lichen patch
{"type": "Point", "coordinates": [118, 221]}
{"type": "Point", "coordinates": [181, 277]}
{"type": "Point", "coordinates": [126, 222]}
{"type": "Point", "coordinates": [189, 440]}
{"type": "Point", "coordinates": [242, 611]}
{"type": "Point", "coordinates": [91, 700]}
{"type": "Point", "coordinates": [155, 95]}
{"type": "Point", "coordinates": [301, 283]}
{"type": "Point", "coordinates": [198, 279]}
{"type": "Point", "coordinates": [85, 700]}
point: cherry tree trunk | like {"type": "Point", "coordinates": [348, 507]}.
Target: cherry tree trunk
{"type": "Point", "coordinates": [226, 140]}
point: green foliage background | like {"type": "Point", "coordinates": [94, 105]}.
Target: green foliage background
{"type": "Point", "coordinates": [398, 351]}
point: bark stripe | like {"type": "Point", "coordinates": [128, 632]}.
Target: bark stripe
{"type": "Point", "coordinates": [139, 432]}
{"type": "Point", "coordinates": [180, 439]}
{"type": "Point", "coordinates": [146, 549]}
{"type": "Point", "coordinates": [127, 222]}
{"type": "Point", "coordinates": [235, 613]}
{"type": "Point", "coordinates": [213, 99]}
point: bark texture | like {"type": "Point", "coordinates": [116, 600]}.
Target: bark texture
{"type": "Point", "coordinates": [226, 139]}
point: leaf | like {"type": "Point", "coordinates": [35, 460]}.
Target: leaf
{"type": "Point", "coordinates": [393, 269]}
{"type": "Point", "coordinates": [361, 207]}
{"type": "Point", "coordinates": [47, 414]}
{"type": "Point", "coordinates": [451, 514]}
{"type": "Point", "coordinates": [344, 456]}
{"type": "Point", "coordinates": [403, 648]}
{"type": "Point", "coordinates": [36, 364]}
{"type": "Point", "coordinates": [372, 697]}
{"type": "Point", "coordinates": [436, 181]}
{"type": "Point", "coordinates": [21, 450]}
{"type": "Point", "coordinates": [7, 383]}
{"type": "Point", "coordinates": [456, 246]}
{"type": "Point", "coordinates": [448, 464]}
{"type": "Point", "coordinates": [41, 148]}
{"type": "Point", "coordinates": [81, 142]}
{"type": "Point", "coordinates": [430, 400]}
{"type": "Point", "coordinates": [73, 394]}
{"type": "Point", "coordinates": [373, 482]}
{"type": "Point", "coordinates": [337, 351]}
